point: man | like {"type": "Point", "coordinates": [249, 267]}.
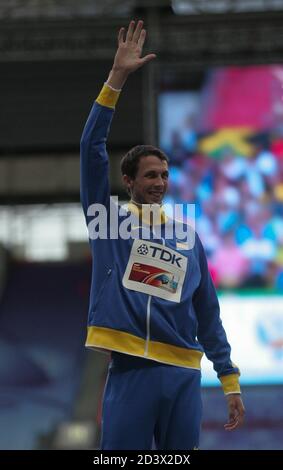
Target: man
{"type": "Point", "coordinates": [152, 303]}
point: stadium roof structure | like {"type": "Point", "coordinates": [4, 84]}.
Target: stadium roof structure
{"type": "Point", "coordinates": [194, 7]}
{"type": "Point", "coordinates": [16, 9]}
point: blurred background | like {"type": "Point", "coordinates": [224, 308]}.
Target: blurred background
{"type": "Point", "coordinates": [213, 100]}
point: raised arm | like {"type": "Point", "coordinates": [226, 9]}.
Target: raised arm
{"type": "Point", "coordinates": [94, 158]}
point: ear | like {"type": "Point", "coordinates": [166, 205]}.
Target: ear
{"type": "Point", "coordinates": [128, 182]}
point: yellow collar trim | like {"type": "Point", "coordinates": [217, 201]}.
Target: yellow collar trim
{"type": "Point", "coordinates": [146, 214]}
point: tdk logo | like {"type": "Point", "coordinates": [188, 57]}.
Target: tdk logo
{"type": "Point", "coordinates": [161, 254]}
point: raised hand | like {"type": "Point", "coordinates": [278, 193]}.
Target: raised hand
{"type": "Point", "coordinates": [128, 56]}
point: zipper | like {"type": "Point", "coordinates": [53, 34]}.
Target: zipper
{"type": "Point", "coordinates": [147, 326]}
{"type": "Point", "coordinates": [148, 312]}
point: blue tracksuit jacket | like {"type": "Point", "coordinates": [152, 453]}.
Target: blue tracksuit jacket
{"type": "Point", "coordinates": [148, 298]}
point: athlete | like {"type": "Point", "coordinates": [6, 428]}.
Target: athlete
{"type": "Point", "coordinates": [152, 302]}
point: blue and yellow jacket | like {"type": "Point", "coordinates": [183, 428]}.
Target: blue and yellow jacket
{"type": "Point", "coordinates": [148, 298]}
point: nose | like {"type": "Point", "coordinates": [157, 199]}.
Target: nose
{"type": "Point", "coordinates": [159, 181]}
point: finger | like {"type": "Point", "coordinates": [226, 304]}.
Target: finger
{"type": "Point", "coordinates": [137, 32]}
{"type": "Point", "coordinates": [231, 426]}
{"type": "Point", "coordinates": [147, 58]}
{"type": "Point", "coordinates": [130, 31]}
{"type": "Point", "coordinates": [241, 418]}
{"type": "Point", "coordinates": [121, 35]}
{"type": "Point", "coordinates": [142, 38]}
{"type": "Point", "coordinates": [232, 423]}
{"type": "Point", "coordinates": [239, 413]}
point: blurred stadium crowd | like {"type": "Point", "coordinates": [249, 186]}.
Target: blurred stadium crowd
{"type": "Point", "coordinates": [234, 176]}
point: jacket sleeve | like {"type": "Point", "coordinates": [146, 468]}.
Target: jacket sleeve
{"type": "Point", "coordinates": [94, 186]}
{"type": "Point", "coordinates": [211, 333]}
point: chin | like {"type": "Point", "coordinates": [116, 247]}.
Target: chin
{"type": "Point", "coordinates": [152, 200]}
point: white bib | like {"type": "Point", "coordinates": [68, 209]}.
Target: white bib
{"type": "Point", "coordinates": [156, 270]}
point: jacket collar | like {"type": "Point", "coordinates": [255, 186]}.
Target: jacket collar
{"type": "Point", "coordinates": [148, 213]}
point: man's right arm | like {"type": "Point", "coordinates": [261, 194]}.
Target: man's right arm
{"type": "Point", "coordinates": [94, 158]}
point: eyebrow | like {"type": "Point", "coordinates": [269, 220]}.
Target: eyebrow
{"type": "Point", "coordinates": [154, 172]}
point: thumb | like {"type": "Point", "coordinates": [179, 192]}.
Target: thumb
{"type": "Point", "coordinates": [147, 58]}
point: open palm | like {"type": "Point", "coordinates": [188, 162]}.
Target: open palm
{"type": "Point", "coordinates": [128, 56]}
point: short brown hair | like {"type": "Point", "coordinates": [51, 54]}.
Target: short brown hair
{"type": "Point", "coordinates": [130, 161]}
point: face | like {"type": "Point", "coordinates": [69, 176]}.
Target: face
{"type": "Point", "coordinates": [151, 181]}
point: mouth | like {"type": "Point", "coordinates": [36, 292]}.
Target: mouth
{"type": "Point", "coordinates": [156, 195]}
